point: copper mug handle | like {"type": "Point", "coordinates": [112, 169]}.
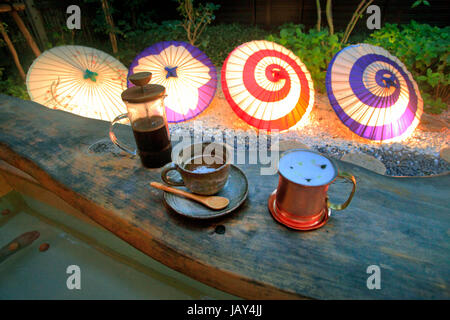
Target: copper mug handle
{"type": "Point", "coordinates": [344, 205]}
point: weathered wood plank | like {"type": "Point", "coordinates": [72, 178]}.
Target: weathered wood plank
{"type": "Point", "coordinates": [5, 188]}
{"type": "Point", "coordinates": [399, 224]}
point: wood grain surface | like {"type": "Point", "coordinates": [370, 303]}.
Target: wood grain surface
{"type": "Point", "coordinates": [401, 225]}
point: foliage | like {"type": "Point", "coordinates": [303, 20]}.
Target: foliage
{"type": "Point", "coordinates": [314, 48]}
{"type": "Point", "coordinates": [60, 38]}
{"type": "Point", "coordinates": [135, 40]}
{"type": "Point", "coordinates": [99, 22]}
{"type": "Point", "coordinates": [231, 36]}
{"type": "Point", "coordinates": [425, 52]}
{"type": "Point", "coordinates": [418, 2]}
{"type": "Point", "coordinates": [13, 33]}
{"type": "Point", "coordinates": [423, 49]}
{"type": "Point", "coordinates": [104, 21]}
{"type": "Point", "coordinates": [362, 7]}
{"type": "Point", "coordinates": [195, 19]}
{"type": "Point", "coordinates": [13, 86]}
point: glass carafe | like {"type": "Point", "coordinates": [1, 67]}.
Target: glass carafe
{"type": "Point", "coordinates": [147, 115]}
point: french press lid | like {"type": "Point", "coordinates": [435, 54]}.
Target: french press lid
{"type": "Point", "coordinates": [142, 92]}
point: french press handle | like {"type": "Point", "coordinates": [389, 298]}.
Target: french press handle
{"type": "Point", "coordinates": [113, 137]}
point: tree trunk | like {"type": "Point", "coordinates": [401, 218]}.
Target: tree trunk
{"type": "Point", "coordinates": [109, 20]}
{"type": "Point", "coordinates": [37, 24]}
{"type": "Point", "coordinates": [319, 15]}
{"type": "Point", "coordinates": [329, 12]}
{"type": "Point", "coordinates": [351, 25]}
{"type": "Point", "coordinates": [25, 33]}
{"type": "Point", "coordinates": [268, 20]}
{"type": "Point", "coordinates": [12, 50]}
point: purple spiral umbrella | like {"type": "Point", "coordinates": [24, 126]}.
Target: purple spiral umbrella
{"type": "Point", "coordinates": [373, 93]}
{"type": "Point", "coordinates": [185, 71]}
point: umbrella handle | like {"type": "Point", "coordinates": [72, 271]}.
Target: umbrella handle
{"type": "Point", "coordinates": [113, 137]}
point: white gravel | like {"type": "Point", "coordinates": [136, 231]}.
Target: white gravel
{"type": "Point", "coordinates": [326, 133]}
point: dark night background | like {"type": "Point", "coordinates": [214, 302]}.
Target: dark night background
{"type": "Point", "coordinates": [139, 23]}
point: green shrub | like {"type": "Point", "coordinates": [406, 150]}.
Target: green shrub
{"type": "Point", "coordinates": [314, 48]}
{"type": "Point", "coordinates": [135, 40]}
{"type": "Point", "coordinates": [216, 41]}
{"type": "Point", "coordinates": [219, 40]}
{"type": "Point", "coordinates": [13, 86]}
{"type": "Point", "coordinates": [196, 18]}
{"type": "Point", "coordinates": [425, 52]}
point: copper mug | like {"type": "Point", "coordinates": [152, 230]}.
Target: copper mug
{"type": "Point", "coordinates": [301, 199]}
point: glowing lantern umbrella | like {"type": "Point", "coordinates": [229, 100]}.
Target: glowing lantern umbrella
{"type": "Point", "coordinates": [185, 71]}
{"type": "Point", "coordinates": [78, 79]}
{"type": "Point", "coordinates": [267, 85]}
{"type": "Point", "coordinates": [373, 94]}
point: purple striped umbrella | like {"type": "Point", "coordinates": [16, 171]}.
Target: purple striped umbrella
{"type": "Point", "coordinates": [185, 71]}
{"type": "Point", "coordinates": [373, 93]}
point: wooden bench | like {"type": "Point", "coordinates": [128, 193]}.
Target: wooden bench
{"type": "Point", "coordinates": [401, 225]}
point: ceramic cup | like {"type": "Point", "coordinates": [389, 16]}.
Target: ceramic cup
{"type": "Point", "coordinates": [301, 199]}
{"type": "Point", "coordinates": [204, 167]}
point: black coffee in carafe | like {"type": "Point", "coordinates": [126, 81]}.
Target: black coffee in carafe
{"type": "Point", "coordinates": [153, 141]}
{"type": "Point", "coordinates": [147, 114]}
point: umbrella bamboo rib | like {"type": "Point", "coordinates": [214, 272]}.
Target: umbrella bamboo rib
{"type": "Point", "coordinates": [192, 85]}
{"type": "Point", "coordinates": [263, 100]}
{"type": "Point", "coordinates": [366, 102]}
{"type": "Point", "coordinates": [57, 79]}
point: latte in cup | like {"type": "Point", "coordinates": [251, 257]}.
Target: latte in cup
{"type": "Point", "coordinates": [203, 164]}
{"type": "Point", "coordinates": [307, 168]}
{"type": "Point", "coordinates": [204, 167]}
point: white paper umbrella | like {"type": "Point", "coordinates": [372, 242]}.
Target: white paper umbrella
{"type": "Point", "coordinates": [81, 80]}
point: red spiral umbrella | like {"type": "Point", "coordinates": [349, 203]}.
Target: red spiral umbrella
{"type": "Point", "coordinates": [267, 86]}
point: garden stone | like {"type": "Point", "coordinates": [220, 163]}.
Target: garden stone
{"type": "Point", "coordinates": [365, 161]}
{"type": "Point", "coordinates": [445, 154]}
{"type": "Point", "coordinates": [290, 144]}
{"type": "Point", "coordinates": [431, 123]}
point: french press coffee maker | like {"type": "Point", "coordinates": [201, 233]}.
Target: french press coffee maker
{"type": "Point", "coordinates": [147, 114]}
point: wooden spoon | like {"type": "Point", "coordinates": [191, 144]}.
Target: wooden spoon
{"type": "Point", "coordinates": [213, 202]}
